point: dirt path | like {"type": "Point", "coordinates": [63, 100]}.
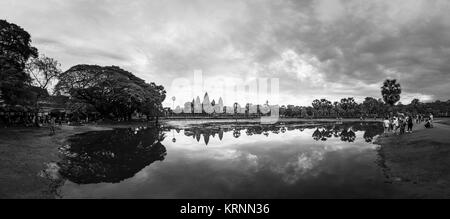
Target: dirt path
{"type": "Point", "coordinates": [419, 162]}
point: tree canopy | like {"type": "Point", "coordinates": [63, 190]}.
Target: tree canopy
{"type": "Point", "coordinates": [15, 50]}
{"type": "Point", "coordinates": [391, 91]}
{"type": "Point", "coordinates": [15, 45]}
{"type": "Point", "coordinates": [44, 71]}
{"type": "Point", "coordinates": [112, 91]}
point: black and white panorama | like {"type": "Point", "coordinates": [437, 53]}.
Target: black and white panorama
{"type": "Point", "coordinates": [217, 99]}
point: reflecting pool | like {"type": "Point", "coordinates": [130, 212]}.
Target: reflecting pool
{"type": "Point", "coordinates": [225, 161]}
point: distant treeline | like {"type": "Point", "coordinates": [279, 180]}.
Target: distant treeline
{"type": "Point", "coordinates": [345, 108]}
{"type": "Point", "coordinates": [369, 108]}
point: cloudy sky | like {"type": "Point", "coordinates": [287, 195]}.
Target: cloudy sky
{"type": "Point", "coordinates": [317, 48]}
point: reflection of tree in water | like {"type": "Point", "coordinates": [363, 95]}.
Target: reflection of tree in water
{"type": "Point", "coordinates": [110, 156]}
{"type": "Point", "coordinates": [348, 135]}
{"type": "Point", "coordinates": [322, 135]}
{"type": "Point", "coordinates": [372, 130]}
{"type": "Point", "coordinates": [317, 135]}
{"type": "Point", "coordinates": [237, 133]}
{"type": "Point", "coordinates": [207, 132]}
{"type": "Point", "coordinates": [369, 134]}
{"type": "Point", "coordinates": [345, 132]}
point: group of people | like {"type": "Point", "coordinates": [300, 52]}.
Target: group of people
{"type": "Point", "coordinates": [402, 123]}
{"type": "Point", "coordinates": [27, 119]}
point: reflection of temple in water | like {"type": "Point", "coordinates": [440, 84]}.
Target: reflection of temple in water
{"type": "Point", "coordinates": [344, 132]}
{"type": "Point", "coordinates": [197, 133]}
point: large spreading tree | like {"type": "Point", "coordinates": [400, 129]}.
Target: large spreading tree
{"type": "Point", "coordinates": [112, 91]}
{"type": "Point", "coordinates": [15, 50]}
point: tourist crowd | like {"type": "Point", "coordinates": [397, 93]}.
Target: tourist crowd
{"type": "Point", "coordinates": [403, 123]}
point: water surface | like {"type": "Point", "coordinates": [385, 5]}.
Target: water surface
{"type": "Point", "coordinates": [226, 161]}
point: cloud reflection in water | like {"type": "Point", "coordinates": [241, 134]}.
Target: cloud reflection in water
{"type": "Point", "coordinates": [214, 161]}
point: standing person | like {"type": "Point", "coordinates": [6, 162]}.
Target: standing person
{"type": "Point", "coordinates": [396, 124]}
{"type": "Point", "coordinates": [402, 125]}
{"type": "Point", "coordinates": [431, 120]}
{"type": "Point", "coordinates": [410, 124]}
{"type": "Point", "coordinates": [387, 125]}
{"type": "Point", "coordinates": [52, 126]}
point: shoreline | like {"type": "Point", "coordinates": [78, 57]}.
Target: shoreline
{"type": "Point", "coordinates": [418, 162]}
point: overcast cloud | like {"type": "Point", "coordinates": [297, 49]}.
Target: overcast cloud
{"type": "Point", "coordinates": [317, 48]}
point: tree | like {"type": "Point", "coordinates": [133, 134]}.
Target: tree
{"type": "Point", "coordinates": [337, 108]}
{"type": "Point", "coordinates": [370, 105]}
{"type": "Point", "coordinates": [44, 72]}
{"type": "Point", "coordinates": [415, 105]}
{"type": "Point", "coordinates": [322, 106]}
{"type": "Point", "coordinates": [114, 92]}
{"type": "Point", "coordinates": [326, 106]}
{"type": "Point", "coordinates": [391, 91]}
{"type": "Point", "coordinates": [15, 50]}
{"type": "Point", "coordinates": [348, 106]}
{"type": "Point", "coordinates": [381, 107]}
{"type": "Point", "coordinates": [154, 95]}
{"type": "Point", "coordinates": [317, 106]}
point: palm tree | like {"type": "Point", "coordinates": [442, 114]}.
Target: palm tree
{"type": "Point", "coordinates": [316, 105]}
{"type": "Point", "coordinates": [326, 106]}
{"type": "Point", "coordinates": [391, 91]}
